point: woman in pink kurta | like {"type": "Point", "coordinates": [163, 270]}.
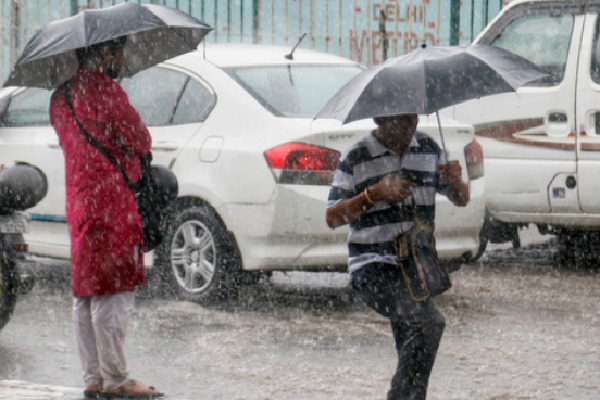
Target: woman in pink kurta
{"type": "Point", "coordinates": [102, 215]}
{"type": "Point", "coordinates": [107, 248]}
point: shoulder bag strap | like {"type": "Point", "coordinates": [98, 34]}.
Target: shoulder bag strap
{"type": "Point", "coordinates": [67, 94]}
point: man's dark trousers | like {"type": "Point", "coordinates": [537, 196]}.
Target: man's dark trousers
{"type": "Point", "coordinates": [417, 327]}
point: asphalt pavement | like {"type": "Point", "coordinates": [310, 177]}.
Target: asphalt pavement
{"type": "Point", "coordinates": [22, 390]}
{"type": "Point", "coordinates": [518, 326]}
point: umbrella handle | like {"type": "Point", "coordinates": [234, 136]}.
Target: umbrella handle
{"type": "Point", "coordinates": [437, 114]}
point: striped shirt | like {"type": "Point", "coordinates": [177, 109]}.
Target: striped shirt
{"type": "Point", "coordinates": [372, 235]}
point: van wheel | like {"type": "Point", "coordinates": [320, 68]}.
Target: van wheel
{"type": "Point", "coordinates": [578, 249]}
{"type": "Point", "coordinates": [8, 290]}
{"type": "Point", "coordinates": [516, 240]}
{"type": "Point", "coordinates": [484, 237]}
{"type": "Point", "coordinates": [197, 257]}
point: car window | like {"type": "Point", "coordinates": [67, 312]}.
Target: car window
{"type": "Point", "coordinates": [542, 39]}
{"type": "Point", "coordinates": [28, 108]}
{"type": "Point", "coordinates": [154, 94]}
{"type": "Point", "coordinates": [296, 91]}
{"type": "Point", "coordinates": [166, 97]}
{"type": "Point", "coordinates": [195, 103]}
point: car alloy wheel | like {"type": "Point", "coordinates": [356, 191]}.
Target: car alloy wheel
{"type": "Point", "coordinates": [197, 252]}
{"type": "Point", "coordinates": [193, 256]}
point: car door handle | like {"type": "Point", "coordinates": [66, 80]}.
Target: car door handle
{"type": "Point", "coordinates": [558, 117]}
{"type": "Point", "coordinates": [164, 146]}
{"type": "Point", "coordinates": [53, 144]}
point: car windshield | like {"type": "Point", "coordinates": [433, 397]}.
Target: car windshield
{"type": "Point", "coordinates": [293, 91]}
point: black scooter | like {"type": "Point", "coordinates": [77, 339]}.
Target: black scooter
{"type": "Point", "coordinates": [22, 186]}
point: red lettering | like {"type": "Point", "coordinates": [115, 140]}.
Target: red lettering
{"type": "Point", "coordinates": [378, 40]}
{"type": "Point", "coordinates": [411, 42]}
{"type": "Point", "coordinates": [368, 48]}
{"type": "Point", "coordinates": [411, 13]}
{"type": "Point", "coordinates": [376, 46]}
{"type": "Point", "coordinates": [414, 13]}
{"type": "Point", "coordinates": [431, 39]}
{"type": "Point", "coordinates": [391, 12]}
{"type": "Point", "coordinates": [393, 40]}
{"type": "Point", "coordinates": [356, 47]}
{"type": "Point", "coordinates": [376, 12]}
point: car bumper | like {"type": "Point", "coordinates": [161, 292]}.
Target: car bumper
{"type": "Point", "coordinates": [289, 232]}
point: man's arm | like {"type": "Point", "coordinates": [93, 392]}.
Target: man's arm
{"type": "Point", "coordinates": [459, 195]}
{"type": "Point", "coordinates": [458, 191]}
{"type": "Point", "coordinates": [390, 188]}
{"type": "Point", "coordinates": [347, 210]}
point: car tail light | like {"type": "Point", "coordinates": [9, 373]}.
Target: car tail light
{"type": "Point", "coordinates": [474, 159]}
{"type": "Point", "coordinates": [21, 247]}
{"type": "Point", "coordinates": [302, 164]}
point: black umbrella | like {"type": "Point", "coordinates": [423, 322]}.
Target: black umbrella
{"type": "Point", "coordinates": [429, 79]}
{"type": "Point", "coordinates": [154, 33]}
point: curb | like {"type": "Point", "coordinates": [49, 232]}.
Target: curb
{"type": "Point", "coordinates": [21, 390]}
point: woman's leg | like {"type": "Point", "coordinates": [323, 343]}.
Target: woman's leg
{"type": "Point", "coordinates": [110, 316]}
{"type": "Point", "coordinates": [86, 341]}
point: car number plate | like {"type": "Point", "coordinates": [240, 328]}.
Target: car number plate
{"type": "Point", "coordinates": [14, 223]}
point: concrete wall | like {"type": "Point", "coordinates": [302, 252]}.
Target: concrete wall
{"type": "Point", "coordinates": [351, 28]}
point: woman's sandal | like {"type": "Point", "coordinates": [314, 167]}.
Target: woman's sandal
{"type": "Point", "coordinates": [132, 390]}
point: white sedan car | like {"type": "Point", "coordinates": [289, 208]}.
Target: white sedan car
{"type": "Point", "coordinates": [235, 124]}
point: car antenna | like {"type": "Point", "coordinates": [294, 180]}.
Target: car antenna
{"type": "Point", "coordinates": [291, 55]}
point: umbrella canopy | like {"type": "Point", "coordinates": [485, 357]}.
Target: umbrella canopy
{"type": "Point", "coordinates": [429, 79]}
{"type": "Point", "coordinates": [154, 33]}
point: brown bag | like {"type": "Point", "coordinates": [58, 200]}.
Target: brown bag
{"type": "Point", "coordinates": [423, 274]}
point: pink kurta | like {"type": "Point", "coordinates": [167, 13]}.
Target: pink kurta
{"type": "Point", "coordinates": [104, 225]}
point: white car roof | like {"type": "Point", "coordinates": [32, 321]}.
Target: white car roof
{"type": "Point", "coordinates": [234, 55]}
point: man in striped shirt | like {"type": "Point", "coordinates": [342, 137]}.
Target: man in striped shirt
{"type": "Point", "coordinates": [371, 191]}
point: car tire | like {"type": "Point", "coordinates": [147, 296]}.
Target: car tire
{"type": "Point", "coordinates": [197, 258]}
{"type": "Point", "coordinates": [495, 231]}
{"type": "Point", "coordinates": [8, 290]}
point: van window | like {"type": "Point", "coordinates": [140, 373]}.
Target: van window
{"type": "Point", "coordinates": [595, 65]}
{"type": "Point", "coordinates": [542, 39]}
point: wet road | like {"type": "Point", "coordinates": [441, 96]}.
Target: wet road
{"type": "Point", "coordinates": [518, 327]}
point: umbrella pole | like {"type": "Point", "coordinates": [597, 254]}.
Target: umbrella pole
{"type": "Point", "coordinates": [437, 114]}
